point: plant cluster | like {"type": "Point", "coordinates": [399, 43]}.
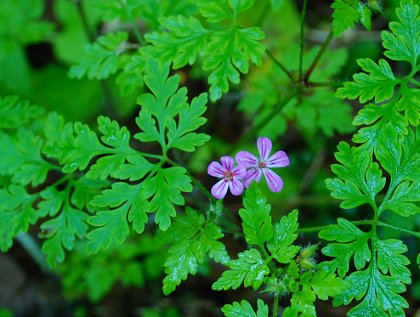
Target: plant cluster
{"type": "Point", "coordinates": [130, 204]}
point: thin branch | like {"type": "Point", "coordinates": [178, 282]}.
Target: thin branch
{"type": "Point", "coordinates": [318, 56]}
{"type": "Point", "coordinates": [413, 233]}
{"type": "Point", "coordinates": [302, 27]}
{"type": "Point", "coordinates": [279, 64]}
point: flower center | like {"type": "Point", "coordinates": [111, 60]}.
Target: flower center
{"type": "Point", "coordinates": [262, 164]}
{"type": "Point", "coordinates": [228, 177]}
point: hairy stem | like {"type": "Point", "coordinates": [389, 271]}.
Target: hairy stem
{"type": "Point", "coordinates": [276, 305]}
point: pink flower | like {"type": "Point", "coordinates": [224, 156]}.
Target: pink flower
{"type": "Point", "coordinates": [258, 166]}
{"type": "Point", "coordinates": [230, 177]}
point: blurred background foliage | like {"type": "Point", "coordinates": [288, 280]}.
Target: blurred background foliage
{"type": "Point", "coordinates": [41, 39]}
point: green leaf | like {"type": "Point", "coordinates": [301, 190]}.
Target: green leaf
{"type": "Point", "coordinates": [369, 136]}
{"type": "Point", "coordinates": [402, 43]}
{"type": "Point", "coordinates": [256, 219]}
{"type": "Point", "coordinates": [249, 269]}
{"type": "Point", "coordinates": [21, 158]}
{"type": "Point", "coordinates": [182, 43]}
{"type": "Point", "coordinates": [61, 233]}
{"type": "Point", "coordinates": [163, 105]}
{"type": "Point", "coordinates": [15, 112]}
{"type": "Point", "coordinates": [123, 10]}
{"type": "Point", "coordinates": [166, 188]}
{"type": "Point", "coordinates": [380, 294]}
{"type": "Point", "coordinates": [400, 158]}
{"type": "Point", "coordinates": [379, 83]}
{"type": "Point", "coordinates": [192, 238]}
{"type": "Point", "coordinates": [16, 214]}
{"type": "Point", "coordinates": [285, 233]}
{"type": "Point", "coordinates": [347, 13]}
{"type": "Point", "coordinates": [390, 259]}
{"type": "Point", "coordinates": [117, 139]}
{"type": "Point", "coordinates": [228, 54]}
{"type": "Point", "coordinates": [101, 58]}
{"type": "Point", "coordinates": [326, 284]}
{"type": "Point", "coordinates": [225, 50]}
{"type": "Point", "coordinates": [352, 242]}
{"type": "Point", "coordinates": [130, 79]}
{"type": "Point", "coordinates": [245, 309]}
{"type": "Point", "coordinates": [122, 203]}
{"type": "Point", "coordinates": [359, 179]}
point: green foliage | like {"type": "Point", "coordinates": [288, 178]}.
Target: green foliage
{"type": "Point", "coordinates": [15, 112]}
{"type": "Point", "coordinates": [16, 213]}
{"type": "Point", "coordinates": [157, 116]}
{"type": "Point", "coordinates": [97, 276]}
{"type": "Point", "coordinates": [245, 309]}
{"type": "Point", "coordinates": [192, 238]}
{"type": "Point", "coordinates": [101, 57]}
{"type": "Point", "coordinates": [279, 265]}
{"type": "Point", "coordinates": [360, 180]}
{"type": "Point", "coordinates": [225, 47]}
{"type": "Point", "coordinates": [348, 12]}
{"type": "Point", "coordinates": [311, 111]}
{"type": "Point", "coordinates": [398, 108]}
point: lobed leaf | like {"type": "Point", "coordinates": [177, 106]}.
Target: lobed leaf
{"type": "Point", "coordinates": [249, 269]}
{"type": "Point", "coordinates": [256, 218]}
{"type": "Point", "coordinates": [245, 309]}
{"type": "Point", "coordinates": [194, 239]}
{"type": "Point", "coordinates": [16, 214]}
{"type": "Point", "coordinates": [101, 58]}
{"type": "Point", "coordinates": [402, 43]}
{"type": "Point", "coordinates": [359, 179]}
{"type": "Point", "coordinates": [159, 110]}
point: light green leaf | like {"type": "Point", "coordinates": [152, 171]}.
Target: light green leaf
{"type": "Point", "coordinates": [101, 58]}
{"type": "Point", "coordinates": [118, 205]}
{"type": "Point", "coordinates": [249, 269]}
{"type": "Point", "coordinates": [285, 233]}
{"type": "Point", "coordinates": [359, 179]}
{"type": "Point", "coordinates": [192, 238]}
{"type": "Point", "coordinates": [379, 83]}
{"type": "Point", "coordinates": [351, 242]}
{"type": "Point", "coordinates": [16, 214]}
{"type": "Point", "coordinates": [256, 218]}
{"type": "Point", "coordinates": [245, 309]}
{"type": "Point", "coordinates": [402, 43]}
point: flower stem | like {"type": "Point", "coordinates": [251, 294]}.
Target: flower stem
{"type": "Point", "coordinates": [318, 57]}
{"type": "Point", "coordinates": [279, 64]}
{"type": "Point", "coordinates": [413, 233]}
{"type": "Point", "coordinates": [276, 305]}
{"type": "Point", "coordinates": [364, 222]}
{"type": "Point", "coordinates": [302, 26]}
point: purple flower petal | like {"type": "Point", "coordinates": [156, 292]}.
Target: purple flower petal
{"type": "Point", "coordinates": [246, 158]}
{"type": "Point", "coordinates": [236, 187]}
{"type": "Point", "coordinates": [227, 162]}
{"type": "Point", "coordinates": [252, 174]}
{"type": "Point", "coordinates": [264, 146]}
{"type": "Point", "coordinates": [274, 182]}
{"type": "Point", "coordinates": [219, 189]}
{"type": "Point", "coordinates": [239, 172]}
{"type": "Point", "coordinates": [278, 159]}
{"type": "Point", "coordinates": [215, 169]}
